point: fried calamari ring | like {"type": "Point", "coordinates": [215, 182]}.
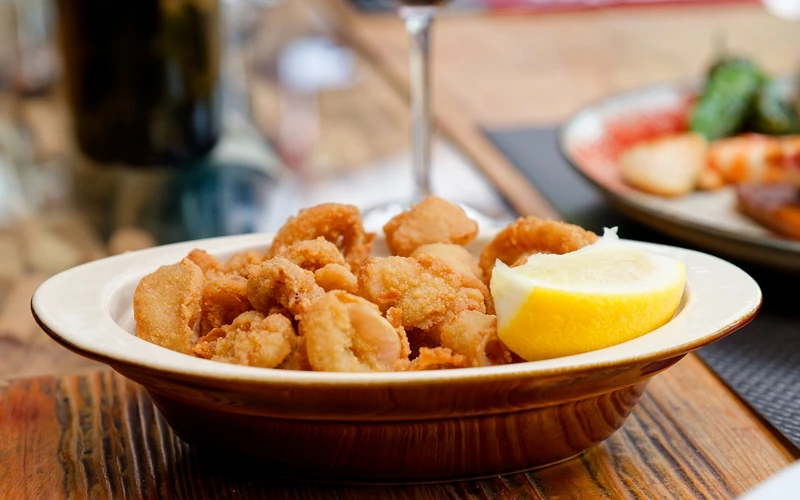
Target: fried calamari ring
{"type": "Point", "coordinates": [337, 223]}
{"type": "Point", "coordinates": [251, 340]}
{"type": "Point", "coordinates": [531, 235]}
{"type": "Point", "coordinates": [279, 282]}
{"type": "Point", "coordinates": [345, 333]}
{"type": "Point", "coordinates": [313, 254]}
{"type": "Point", "coordinates": [166, 305]}
{"type": "Point", "coordinates": [433, 220]}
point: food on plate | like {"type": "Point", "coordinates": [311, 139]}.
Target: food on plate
{"type": "Point", "coordinates": [433, 220]}
{"type": "Point", "coordinates": [776, 205]}
{"type": "Point", "coordinates": [302, 305]}
{"type": "Point", "coordinates": [709, 179]}
{"type": "Point", "coordinates": [726, 102]}
{"type": "Point", "coordinates": [755, 158]}
{"type": "Point", "coordinates": [752, 129]}
{"type": "Point", "coordinates": [668, 166]}
{"type": "Point", "coordinates": [739, 97]}
{"type": "Point", "coordinates": [558, 305]}
{"type": "Point", "coordinates": [772, 114]}
{"type": "Point", "coordinates": [166, 305]}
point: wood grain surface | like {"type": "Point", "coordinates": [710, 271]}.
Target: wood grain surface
{"type": "Point", "coordinates": [99, 436]}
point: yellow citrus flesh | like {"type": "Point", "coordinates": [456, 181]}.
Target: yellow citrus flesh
{"type": "Point", "coordinates": [599, 296]}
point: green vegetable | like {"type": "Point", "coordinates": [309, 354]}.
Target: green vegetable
{"type": "Point", "coordinates": [727, 59]}
{"type": "Point", "coordinates": [727, 99]}
{"type": "Point", "coordinates": [772, 114]}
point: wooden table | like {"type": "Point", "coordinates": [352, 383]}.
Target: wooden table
{"type": "Point", "coordinates": [84, 433]}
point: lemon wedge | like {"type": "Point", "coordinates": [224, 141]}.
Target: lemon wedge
{"type": "Point", "coordinates": [601, 295]}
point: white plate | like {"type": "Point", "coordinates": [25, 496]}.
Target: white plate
{"type": "Point", "coordinates": [784, 485]}
{"type": "Point", "coordinates": [89, 308]}
{"type": "Point", "coordinates": [707, 219]}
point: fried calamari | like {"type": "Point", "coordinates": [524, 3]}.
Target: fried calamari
{"type": "Point", "coordinates": [433, 220]}
{"type": "Point", "coordinates": [316, 299]}
{"type": "Point", "coordinates": [530, 235]}
{"type": "Point", "coordinates": [166, 305]}
{"type": "Point", "coordinates": [252, 339]}
{"type": "Point", "coordinates": [337, 223]}
{"type": "Point", "coordinates": [279, 282]}
{"type": "Point", "coordinates": [346, 333]}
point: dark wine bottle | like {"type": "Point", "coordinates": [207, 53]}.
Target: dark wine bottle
{"type": "Point", "coordinates": [142, 78]}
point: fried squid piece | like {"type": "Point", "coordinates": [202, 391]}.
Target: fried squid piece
{"type": "Point", "coordinates": [336, 277]}
{"type": "Point", "coordinates": [433, 220]}
{"type": "Point", "coordinates": [166, 305]}
{"type": "Point", "coordinates": [427, 291]}
{"type": "Point", "coordinates": [437, 358]}
{"type": "Point", "coordinates": [241, 262]}
{"type": "Point", "coordinates": [458, 257]}
{"type": "Point", "coordinates": [252, 340]}
{"type": "Point", "coordinates": [205, 261]}
{"type": "Point", "coordinates": [224, 298]}
{"type": "Point", "coordinates": [298, 358]}
{"type": "Point", "coordinates": [474, 335]}
{"type": "Point", "coordinates": [313, 254]}
{"type": "Point", "coordinates": [345, 333]}
{"type": "Point", "coordinates": [279, 282]}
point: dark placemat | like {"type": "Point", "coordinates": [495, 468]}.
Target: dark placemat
{"type": "Point", "coordinates": [761, 362]}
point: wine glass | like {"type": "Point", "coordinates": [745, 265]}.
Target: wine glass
{"type": "Point", "coordinates": [418, 16]}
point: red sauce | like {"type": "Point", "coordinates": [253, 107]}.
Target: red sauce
{"type": "Point", "coordinates": [599, 158]}
{"type": "Point", "coordinates": [624, 131]}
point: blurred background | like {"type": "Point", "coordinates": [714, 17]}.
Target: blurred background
{"type": "Point", "coordinates": [133, 123]}
{"type": "Point", "coordinates": [157, 121]}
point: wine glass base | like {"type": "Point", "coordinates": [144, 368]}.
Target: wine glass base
{"type": "Point", "coordinates": [377, 215]}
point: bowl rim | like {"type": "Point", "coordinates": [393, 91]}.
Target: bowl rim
{"type": "Point", "coordinates": [93, 333]}
{"type": "Point", "coordinates": [566, 145]}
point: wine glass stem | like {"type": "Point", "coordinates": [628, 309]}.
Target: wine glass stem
{"type": "Point", "coordinates": [418, 22]}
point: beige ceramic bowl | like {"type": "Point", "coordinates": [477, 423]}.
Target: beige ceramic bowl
{"type": "Point", "coordinates": [385, 427]}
